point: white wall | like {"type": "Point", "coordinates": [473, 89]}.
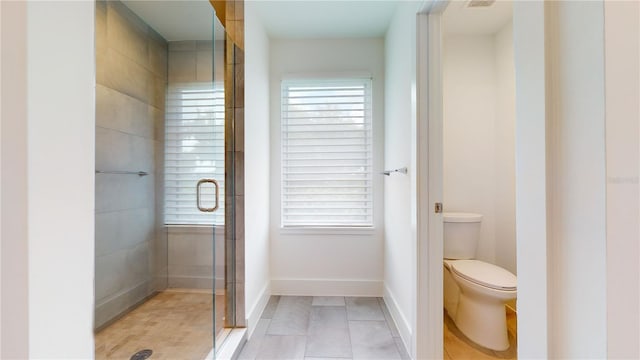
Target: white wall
{"type": "Point", "coordinates": [400, 190]}
{"type": "Point", "coordinates": [577, 180]}
{"type": "Point", "coordinates": [469, 123]}
{"type": "Point", "coordinates": [54, 316]}
{"type": "Point", "coordinates": [622, 59]}
{"type": "Point", "coordinates": [505, 150]}
{"type": "Point", "coordinates": [326, 262]}
{"type": "Point", "coordinates": [562, 288]}
{"type": "Point", "coordinates": [479, 137]}
{"type": "Point", "coordinates": [60, 165]}
{"type": "Point", "coordinates": [257, 167]}
{"type": "Point", "coordinates": [21, 54]}
{"type": "Point", "coordinates": [531, 178]}
{"type": "Point", "coordinates": [15, 311]}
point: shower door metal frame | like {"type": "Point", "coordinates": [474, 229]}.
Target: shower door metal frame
{"type": "Point", "coordinates": [231, 15]}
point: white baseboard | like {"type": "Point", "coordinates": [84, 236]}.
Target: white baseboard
{"type": "Point", "coordinates": [253, 314]}
{"type": "Point", "coordinates": [402, 324]}
{"type": "Point", "coordinates": [326, 287]}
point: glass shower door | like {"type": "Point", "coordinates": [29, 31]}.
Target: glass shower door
{"type": "Point", "coordinates": [196, 128]}
{"type": "Point", "coordinates": [210, 189]}
{"type": "Point", "coordinates": [222, 276]}
{"type": "Point", "coordinates": [164, 260]}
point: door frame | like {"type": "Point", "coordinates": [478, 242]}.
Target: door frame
{"type": "Point", "coordinates": [428, 339]}
{"type": "Point", "coordinates": [529, 34]}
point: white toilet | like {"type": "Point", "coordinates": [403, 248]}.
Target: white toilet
{"type": "Point", "coordinates": [475, 292]}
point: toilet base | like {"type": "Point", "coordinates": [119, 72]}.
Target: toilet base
{"type": "Point", "coordinates": [483, 322]}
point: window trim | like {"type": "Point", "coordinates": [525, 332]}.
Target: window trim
{"type": "Point", "coordinates": [312, 229]}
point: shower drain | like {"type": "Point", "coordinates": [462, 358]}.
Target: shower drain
{"type": "Point", "coordinates": [142, 355]}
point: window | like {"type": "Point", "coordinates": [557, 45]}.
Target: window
{"type": "Point", "coordinates": [327, 153]}
{"type": "Point", "coordinates": [194, 149]}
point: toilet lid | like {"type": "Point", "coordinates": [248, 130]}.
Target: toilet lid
{"type": "Point", "coordinates": [485, 274]}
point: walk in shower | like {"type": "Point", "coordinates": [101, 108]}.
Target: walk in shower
{"type": "Point", "coordinates": [167, 100]}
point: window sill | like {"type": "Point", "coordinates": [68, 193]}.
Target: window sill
{"type": "Point", "coordinates": [361, 231]}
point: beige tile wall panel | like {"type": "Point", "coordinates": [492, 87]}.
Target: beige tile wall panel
{"type": "Point", "coordinates": [117, 111]}
{"type": "Point", "coordinates": [182, 66]}
{"type": "Point", "coordinates": [158, 48]}
{"type": "Point", "coordinates": [204, 65]}
{"type": "Point", "coordinates": [126, 76]}
{"type": "Point", "coordinates": [131, 76]}
{"type": "Point", "coordinates": [116, 192]}
{"type": "Point", "coordinates": [127, 34]}
{"type": "Point", "coordinates": [186, 45]}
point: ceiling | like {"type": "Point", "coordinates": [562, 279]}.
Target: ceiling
{"type": "Point", "coordinates": [192, 19]}
{"type": "Point", "coordinates": [326, 18]}
{"type": "Point", "coordinates": [178, 20]}
{"type": "Point", "coordinates": [459, 19]}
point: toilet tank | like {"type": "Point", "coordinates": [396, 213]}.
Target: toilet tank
{"type": "Point", "coordinates": [461, 234]}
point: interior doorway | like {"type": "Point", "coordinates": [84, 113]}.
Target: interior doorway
{"type": "Point", "coordinates": [432, 115]}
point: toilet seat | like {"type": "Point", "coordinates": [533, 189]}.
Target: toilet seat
{"type": "Point", "coordinates": [484, 274]}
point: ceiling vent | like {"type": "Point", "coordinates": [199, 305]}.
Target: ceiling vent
{"type": "Point", "coordinates": [479, 3]}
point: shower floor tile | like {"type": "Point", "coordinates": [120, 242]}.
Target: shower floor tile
{"type": "Point", "coordinates": [174, 325]}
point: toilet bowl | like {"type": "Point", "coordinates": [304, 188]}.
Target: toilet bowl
{"type": "Point", "coordinates": [475, 292]}
{"type": "Point", "coordinates": [482, 291]}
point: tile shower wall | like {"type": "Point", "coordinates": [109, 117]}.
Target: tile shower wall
{"type": "Point", "coordinates": [131, 78]}
{"type": "Point", "coordinates": [191, 256]}
{"type": "Point", "coordinates": [191, 252]}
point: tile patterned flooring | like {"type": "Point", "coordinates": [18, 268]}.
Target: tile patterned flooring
{"type": "Point", "coordinates": [174, 324]}
{"type": "Point", "coordinates": [314, 328]}
{"type": "Point", "coordinates": [178, 325]}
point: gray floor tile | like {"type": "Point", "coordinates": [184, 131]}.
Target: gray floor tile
{"type": "Point", "coordinates": [364, 308]}
{"type": "Point", "coordinates": [388, 318]}
{"type": "Point", "coordinates": [282, 347]}
{"type": "Point", "coordinates": [329, 317]}
{"type": "Point", "coordinates": [372, 340]}
{"type": "Point", "coordinates": [261, 329]}
{"type": "Point", "coordinates": [328, 334]}
{"type": "Point", "coordinates": [291, 316]}
{"type": "Point", "coordinates": [330, 343]}
{"type": "Point", "coordinates": [404, 355]}
{"type": "Point", "coordinates": [270, 309]}
{"type": "Point", "coordinates": [252, 347]}
{"type": "Point", "coordinates": [328, 301]}
{"type": "Point", "coordinates": [351, 328]}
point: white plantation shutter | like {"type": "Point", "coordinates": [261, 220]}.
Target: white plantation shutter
{"type": "Point", "coordinates": [327, 153]}
{"type": "Point", "coordinates": [194, 150]}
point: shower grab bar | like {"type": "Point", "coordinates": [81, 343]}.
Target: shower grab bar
{"type": "Point", "coordinates": [139, 173]}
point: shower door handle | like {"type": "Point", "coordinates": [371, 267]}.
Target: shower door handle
{"type": "Point", "coordinates": [215, 184]}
